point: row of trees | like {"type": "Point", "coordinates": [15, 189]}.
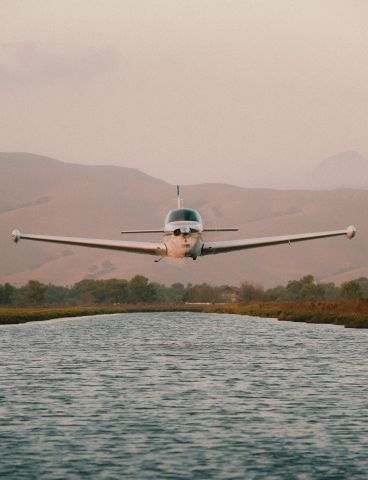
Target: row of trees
{"type": "Point", "coordinates": [306, 289]}
{"type": "Point", "coordinates": [140, 290]}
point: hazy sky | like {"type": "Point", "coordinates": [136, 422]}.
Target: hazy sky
{"type": "Point", "coordinates": [243, 91]}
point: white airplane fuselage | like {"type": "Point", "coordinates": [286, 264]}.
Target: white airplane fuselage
{"type": "Point", "coordinates": [185, 244]}
{"type": "Point", "coordinates": [183, 238]}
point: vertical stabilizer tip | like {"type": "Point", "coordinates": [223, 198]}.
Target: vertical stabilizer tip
{"type": "Point", "coordinates": [351, 231]}
{"type": "Point", "coordinates": [15, 235]}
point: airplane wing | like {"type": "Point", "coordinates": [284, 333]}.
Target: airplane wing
{"type": "Point", "coordinates": [125, 246]}
{"type": "Point", "coordinates": [211, 248]}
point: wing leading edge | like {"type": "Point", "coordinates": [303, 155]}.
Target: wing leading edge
{"type": "Point", "coordinates": [125, 246]}
{"type": "Point", "coordinates": [212, 248]}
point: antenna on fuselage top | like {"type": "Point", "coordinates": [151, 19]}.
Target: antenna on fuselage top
{"type": "Point", "coordinates": [180, 200]}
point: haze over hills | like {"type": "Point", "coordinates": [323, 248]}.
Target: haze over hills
{"type": "Point", "coordinates": [346, 169]}
{"type": "Point", "coordinates": [43, 195]}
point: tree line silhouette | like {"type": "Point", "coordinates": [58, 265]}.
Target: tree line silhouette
{"type": "Point", "coordinates": [140, 289]}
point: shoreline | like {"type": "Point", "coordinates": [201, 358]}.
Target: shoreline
{"type": "Point", "coordinates": [349, 314]}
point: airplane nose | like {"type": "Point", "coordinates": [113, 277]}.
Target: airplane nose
{"type": "Point", "coordinates": [185, 230]}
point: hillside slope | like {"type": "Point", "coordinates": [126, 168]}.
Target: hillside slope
{"type": "Point", "coordinates": [43, 195]}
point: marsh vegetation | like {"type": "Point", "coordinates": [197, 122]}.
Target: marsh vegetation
{"type": "Point", "coordinates": [140, 290]}
{"type": "Point", "coordinates": [301, 300]}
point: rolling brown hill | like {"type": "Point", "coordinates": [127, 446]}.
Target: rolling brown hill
{"type": "Point", "coordinates": [43, 195]}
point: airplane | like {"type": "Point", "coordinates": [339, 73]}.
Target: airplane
{"type": "Point", "coordinates": [183, 238]}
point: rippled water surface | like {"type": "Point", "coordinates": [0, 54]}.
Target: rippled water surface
{"type": "Point", "coordinates": [182, 396]}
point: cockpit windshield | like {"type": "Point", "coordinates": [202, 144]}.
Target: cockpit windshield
{"type": "Point", "coordinates": [183, 214]}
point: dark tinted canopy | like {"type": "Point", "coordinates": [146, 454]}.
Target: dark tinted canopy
{"type": "Point", "coordinates": [183, 214]}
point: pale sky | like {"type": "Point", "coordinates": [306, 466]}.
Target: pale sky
{"type": "Point", "coordinates": [239, 91]}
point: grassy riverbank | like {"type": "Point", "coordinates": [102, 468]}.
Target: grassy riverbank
{"type": "Point", "coordinates": [11, 315]}
{"type": "Point", "coordinates": [351, 314]}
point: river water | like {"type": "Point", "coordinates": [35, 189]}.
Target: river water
{"type": "Point", "coordinates": [182, 396]}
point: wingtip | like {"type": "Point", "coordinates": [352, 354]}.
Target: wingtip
{"type": "Point", "coordinates": [351, 231]}
{"type": "Point", "coordinates": [16, 236]}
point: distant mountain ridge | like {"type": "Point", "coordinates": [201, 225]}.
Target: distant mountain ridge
{"type": "Point", "coordinates": [343, 170]}
{"type": "Point", "coordinates": [42, 195]}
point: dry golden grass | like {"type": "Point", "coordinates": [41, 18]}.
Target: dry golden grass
{"type": "Point", "coordinates": [351, 314]}
{"type": "Point", "coordinates": [9, 315]}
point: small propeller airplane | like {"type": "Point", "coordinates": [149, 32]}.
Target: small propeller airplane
{"type": "Point", "coordinates": [182, 232]}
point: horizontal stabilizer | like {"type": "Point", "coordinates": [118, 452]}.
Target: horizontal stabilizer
{"type": "Point", "coordinates": [221, 229]}
{"type": "Point", "coordinates": [143, 231]}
